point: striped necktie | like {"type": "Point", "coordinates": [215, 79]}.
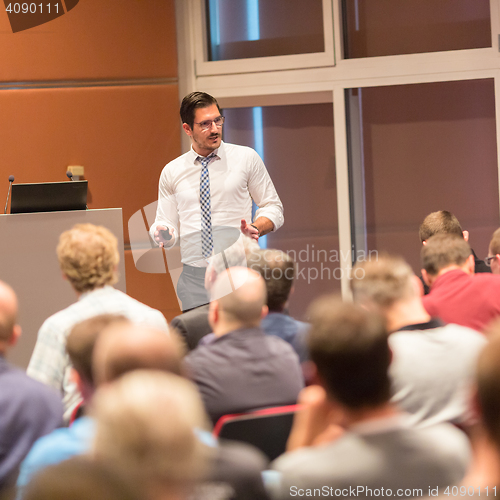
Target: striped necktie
{"type": "Point", "coordinates": [207, 243]}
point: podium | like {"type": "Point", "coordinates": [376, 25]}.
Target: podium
{"type": "Point", "coordinates": [29, 264]}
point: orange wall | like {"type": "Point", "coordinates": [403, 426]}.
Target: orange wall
{"type": "Point", "coordinates": [95, 87]}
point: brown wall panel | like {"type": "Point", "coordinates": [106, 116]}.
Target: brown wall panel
{"type": "Point", "coordinates": [123, 136]}
{"type": "Point", "coordinates": [156, 290]}
{"type": "Point", "coordinates": [97, 39]}
{"type": "Point", "coordinates": [95, 87]}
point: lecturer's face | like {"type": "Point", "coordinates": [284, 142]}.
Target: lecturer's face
{"type": "Point", "coordinates": [205, 135]}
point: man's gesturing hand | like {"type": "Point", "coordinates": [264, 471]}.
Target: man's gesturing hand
{"type": "Point", "coordinates": [248, 230]}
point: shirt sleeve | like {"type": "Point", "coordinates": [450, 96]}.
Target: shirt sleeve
{"type": "Point", "coordinates": [166, 210]}
{"type": "Point", "coordinates": [264, 193]}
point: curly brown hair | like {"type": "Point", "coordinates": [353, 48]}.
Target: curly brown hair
{"type": "Point", "coordinates": [88, 256]}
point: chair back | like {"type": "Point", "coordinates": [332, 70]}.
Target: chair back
{"type": "Point", "coordinates": [266, 429]}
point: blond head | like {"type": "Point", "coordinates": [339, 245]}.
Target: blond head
{"type": "Point", "coordinates": [146, 422]}
{"type": "Point", "coordinates": [382, 281]}
{"type": "Point", "coordinates": [88, 256]}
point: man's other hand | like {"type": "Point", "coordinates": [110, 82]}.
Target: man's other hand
{"type": "Point", "coordinates": [249, 230]}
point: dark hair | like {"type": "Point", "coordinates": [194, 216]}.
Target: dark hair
{"type": "Point", "coordinates": [349, 346]}
{"type": "Point", "coordinates": [81, 341]}
{"type": "Point", "coordinates": [443, 250]}
{"type": "Point", "coordinates": [192, 102]}
{"type": "Point", "coordinates": [278, 270]}
{"type": "Point", "coordinates": [441, 222]}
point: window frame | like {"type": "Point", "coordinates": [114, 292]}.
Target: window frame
{"type": "Point", "coordinates": [256, 64]}
{"type": "Point", "coordinates": [248, 84]}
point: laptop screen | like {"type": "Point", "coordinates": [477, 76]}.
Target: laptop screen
{"type": "Point", "coordinates": [49, 197]}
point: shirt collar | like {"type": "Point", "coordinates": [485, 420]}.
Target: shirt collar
{"type": "Point", "coordinates": [246, 332]}
{"type": "Point", "coordinates": [104, 288]}
{"type": "Point", "coordinates": [453, 275]}
{"type": "Point", "coordinates": [433, 323]}
{"type": "Point", "coordinates": [219, 152]}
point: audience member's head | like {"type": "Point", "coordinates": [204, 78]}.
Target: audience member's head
{"type": "Point", "coordinates": [124, 348]}
{"type": "Point", "coordinates": [441, 222]}
{"type": "Point", "coordinates": [494, 252]}
{"type": "Point", "coordinates": [278, 270]}
{"type": "Point", "coordinates": [238, 300]}
{"type": "Point", "coordinates": [349, 346]}
{"type": "Point", "coordinates": [488, 384]}
{"type": "Point", "coordinates": [382, 282]}
{"type": "Point", "coordinates": [9, 329]}
{"type": "Point", "coordinates": [145, 422]}
{"type": "Point", "coordinates": [445, 252]}
{"type": "Point", "coordinates": [88, 256]}
{"type": "Point", "coordinates": [80, 347]}
{"type": "Point", "coordinates": [81, 478]}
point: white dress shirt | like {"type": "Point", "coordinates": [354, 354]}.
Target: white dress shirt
{"type": "Point", "coordinates": [237, 175]}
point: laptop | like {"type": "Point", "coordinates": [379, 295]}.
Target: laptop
{"type": "Point", "coordinates": [48, 197]}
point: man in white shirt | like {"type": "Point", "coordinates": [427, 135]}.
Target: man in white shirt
{"type": "Point", "coordinates": [206, 195]}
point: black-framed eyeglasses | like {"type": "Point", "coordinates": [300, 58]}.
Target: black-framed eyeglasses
{"type": "Point", "coordinates": [207, 124]}
{"type": "Point", "coordinates": [488, 260]}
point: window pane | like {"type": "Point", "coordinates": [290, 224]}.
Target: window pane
{"type": "Point", "coordinates": [416, 149]}
{"type": "Point", "coordinates": [297, 145]}
{"type": "Point", "coordinates": [252, 28]}
{"type": "Point", "coordinates": [390, 27]}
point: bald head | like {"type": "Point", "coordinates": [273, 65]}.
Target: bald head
{"type": "Point", "coordinates": [238, 299]}
{"type": "Point", "coordinates": [8, 312]}
{"type": "Point", "coordinates": [124, 348]}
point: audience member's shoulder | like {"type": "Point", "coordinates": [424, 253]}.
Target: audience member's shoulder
{"type": "Point", "coordinates": [60, 319]}
{"type": "Point", "coordinates": [133, 307]}
{"type": "Point", "coordinates": [444, 332]}
{"type": "Point", "coordinates": [17, 384]}
{"type": "Point", "coordinates": [449, 444]}
{"type": "Point", "coordinates": [487, 279]}
{"type": "Point", "coordinates": [329, 457]}
{"type": "Point", "coordinates": [298, 459]}
{"type": "Point", "coordinates": [203, 354]}
{"type": "Point", "coordinates": [279, 346]}
{"type": "Point", "coordinates": [464, 333]}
